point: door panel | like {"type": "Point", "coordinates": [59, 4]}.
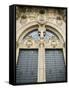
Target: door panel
{"type": "Point", "coordinates": [26, 68]}
{"type": "Point", "coordinates": [55, 67]}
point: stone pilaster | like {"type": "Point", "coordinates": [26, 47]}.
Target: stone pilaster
{"type": "Point", "coordinates": [41, 62]}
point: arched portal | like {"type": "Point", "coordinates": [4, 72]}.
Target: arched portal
{"type": "Point", "coordinates": [40, 44]}
{"type": "Point", "coordinates": [29, 44]}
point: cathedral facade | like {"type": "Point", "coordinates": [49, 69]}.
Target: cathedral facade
{"type": "Point", "coordinates": [40, 44]}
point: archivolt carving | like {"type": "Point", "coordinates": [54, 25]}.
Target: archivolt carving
{"type": "Point", "coordinates": [28, 18]}
{"type": "Point", "coordinates": [29, 42]}
{"type": "Point", "coordinates": [54, 42]}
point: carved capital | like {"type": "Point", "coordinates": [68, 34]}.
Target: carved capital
{"type": "Point", "coordinates": [42, 43]}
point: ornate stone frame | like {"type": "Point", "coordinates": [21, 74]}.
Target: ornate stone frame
{"type": "Point", "coordinates": [34, 25]}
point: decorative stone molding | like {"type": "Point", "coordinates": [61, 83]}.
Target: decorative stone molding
{"type": "Point", "coordinates": [42, 20]}
{"type": "Point", "coordinates": [41, 15]}
{"type": "Point", "coordinates": [29, 42]}
{"type": "Point", "coordinates": [30, 26]}
{"type": "Point", "coordinates": [33, 12]}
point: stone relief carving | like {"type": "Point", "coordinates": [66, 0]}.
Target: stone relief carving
{"type": "Point", "coordinates": [54, 42]}
{"type": "Point", "coordinates": [41, 13]}
{"type": "Point", "coordinates": [41, 19]}
{"type": "Point", "coordinates": [23, 19]}
{"type": "Point", "coordinates": [42, 16]}
{"type": "Point", "coordinates": [29, 42]}
{"type": "Point", "coordinates": [59, 20]}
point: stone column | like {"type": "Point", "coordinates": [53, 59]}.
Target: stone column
{"type": "Point", "coordinates": [41, 54]}
{"type": "Point", "coordinates": [41, 62]}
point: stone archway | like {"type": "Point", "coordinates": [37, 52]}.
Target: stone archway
{"type": "Point", "coordinates": [42, 22]}
{"type": "Point", "coordinates": [34, 25]}
{"type": "Point", "coordinates": [24, 30]}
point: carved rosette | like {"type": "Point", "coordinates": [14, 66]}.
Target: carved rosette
{"type": "Point", "coordinates": [42, 43]}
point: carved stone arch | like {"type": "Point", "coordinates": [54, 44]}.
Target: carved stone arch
{"type": "Point", "coordinates": [34, 25]}
{"type": "Point", "coordinates": [56, 29]}
{"type": "Point", "coordinates": [56, 32]}
{"type": "Point", "coordinates": [24, 33]}
{"type": "Point", "coordinates": [25, 28]}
